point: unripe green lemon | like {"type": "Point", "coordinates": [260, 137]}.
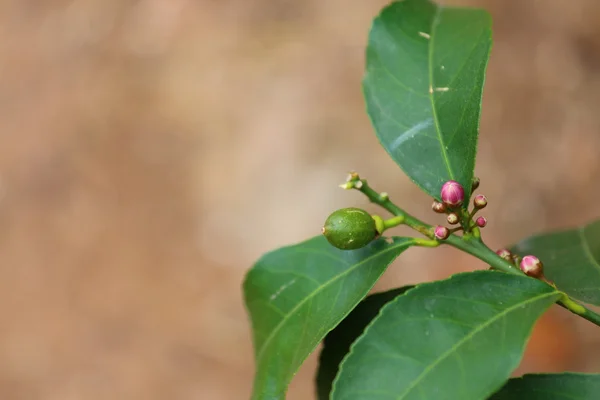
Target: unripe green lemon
{"type": "Point", "coordinates": [350, 228]}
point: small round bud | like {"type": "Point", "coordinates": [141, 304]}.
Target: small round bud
{"type": "Point", "coordinates": [452, 194]}
{"type": "Point", "coordinates": [475, 183]}
{"type": "Point", "coordinates": [506, 254]}
{"type": "Point", "coordinates": [350, 228]}
{"type": "Point", "coordinates": [441, 232]}
{"type": "Point", "coordinates": [452, 219]}
{"type": "Point", "coordinates": [480, 201]}
{"type": "Point", "coordinates": [438, 207]}
{"type": "Point", "coordinates": [481, 222]}
{"type": "Point", "coordinates": [532, 266]}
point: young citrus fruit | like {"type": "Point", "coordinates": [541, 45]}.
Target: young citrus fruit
{"type": "Point", "coordinates": [350, 228]}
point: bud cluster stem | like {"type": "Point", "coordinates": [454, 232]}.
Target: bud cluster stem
{"type": "Point", "coordinates": [470, 243]}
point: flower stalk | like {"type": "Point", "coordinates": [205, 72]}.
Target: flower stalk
{"type": "Point", "coordinates": [469, 242]}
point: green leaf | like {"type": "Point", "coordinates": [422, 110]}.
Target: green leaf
{"type": "Point", "coordinates": [455, 339]}
{"type": "Point", "coordinates": [337, 342]}
{"type": "Point", "coordinates": [296, 294]}
{"type": "Point", "coordinates": [566, 386]}
{"type": "Point", "coordinates": [423, 87]}
{"type": "Point", "coordinates": [571, 259]}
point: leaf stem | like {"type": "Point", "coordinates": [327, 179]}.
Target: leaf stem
{"type": "Point", "coordinates": [392, 222]}
{"type": "Point", "coordinates": [579, 309]}
{"type": "Point", "coordinates": [470, 243]}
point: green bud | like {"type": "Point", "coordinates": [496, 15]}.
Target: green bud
{"type": "Point", "coordinates": [350, 228]}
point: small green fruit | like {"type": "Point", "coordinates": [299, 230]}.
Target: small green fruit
{"type": "Point", "coordinates": [350, 228]}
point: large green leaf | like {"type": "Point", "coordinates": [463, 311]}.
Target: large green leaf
{"type": "Point", "coordinates": [571, 259]}
{"type": "Point", "coordinates": [455, 339]}
{"type": "Point", "coordinates": [296, 294]}
{"type": "Point", "coordinates": [423, 86]}
{"type": "Point", "coordinates": [566, 386]}
{"type": "Point", "coordinates": [337, 342]}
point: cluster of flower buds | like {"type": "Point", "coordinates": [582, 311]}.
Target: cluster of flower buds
{"type": "Point", "coordinates": [452, 195]}
{"type": "Point", "coordinates": [530, 265]}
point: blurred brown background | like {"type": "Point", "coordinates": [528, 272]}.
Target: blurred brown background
{"type": "Point", "coordinates": [151, 150]}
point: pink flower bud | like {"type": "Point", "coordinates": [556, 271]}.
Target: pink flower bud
{"type": "Point", "coordinates": [475, 183]}
{"type": "Point", "coordinates": [452, 219]}
{"type": "Point", "coordinates": [452, 193]}
{"type": "Point", "coordinates": [438, 207]}
{"type": "Point", "coordinates": [506, 254]}
{"type": "Point", "coordinates": [532, 266]}
{"type": "Point", "coordinates": [480, 201]}
{"type": "Point", "coordinates": [481, 222]}
{"type": "Point", "coordinates": [441, 232]}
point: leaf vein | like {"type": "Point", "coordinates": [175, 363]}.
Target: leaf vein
{"type": "Point", "coordinates": [467, 337]}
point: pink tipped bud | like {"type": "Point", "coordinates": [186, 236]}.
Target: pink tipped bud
{"type": "Point", "coordinates": [532, 266]}
{"type": "Point", "coordinates": [452, 219]}
{"type": "Point", "coordinates": [506, 254]}
{"type": "Point", "coordinates": [452, 193]}
{"type": "Point", "coordinates": [441, 232]}
{"type": "Point", "coordinates": [438, 207]}
{"type": "Point", "coordinates": [475, 183]}
{"type": "Point", "coordinates": [480, 201]}
{"type": "Point", "coordinates": [481, 222]}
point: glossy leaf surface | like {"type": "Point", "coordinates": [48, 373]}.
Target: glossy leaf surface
{"type": "Point", "coordinates": [337, 342]}
{"type": "Point", "coordinates": [566, 386]}
{"type": "Point", "coordinates": [571, 259]}
{"type": "Point", "coordinates": [423, 87]}
{"type": "Point", "coordinates": [455, 339]}
{"type": "Point", "coordinates": [295, 295]}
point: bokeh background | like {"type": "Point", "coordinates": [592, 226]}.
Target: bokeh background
{"type": "Point", "coordinates": [151, 150]}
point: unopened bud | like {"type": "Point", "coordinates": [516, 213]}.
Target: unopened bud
{"type": "Point", "coordinates": [452, 194]}
{"type": "Point", "coordinates": [441, 232]}
{"type": "Point", "coordinates": [480, 201]}
{"type": "Point", "coordinates": [438, 207]}
{"type": "Point", "coordinates": [481, 222]}
{"type": "Point", "coordinates": [532, 266]}
{"type": "Point", "coordinates": [505, 254]}
{"type": "Point", "coordinates": [452, 219]}
{"type": "Point", "coordinates": [475, 184]}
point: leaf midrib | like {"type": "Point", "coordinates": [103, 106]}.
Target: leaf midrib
{"type": "Point", "coordinates": [432, 91]}
{"type": "Point", "coordinates": [458, 344]}
{"type": "Point", "coordinates": [268, 340]}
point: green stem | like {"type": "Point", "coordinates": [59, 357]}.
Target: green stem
{"type": "Point", "coordinates": [427, 242]}
{"type": "Point", "coordinates": [579, 309]}
{"type": "Point", "coordinates": [470, 243]}
{"type": "Point", "coordinates": [392, 222]}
